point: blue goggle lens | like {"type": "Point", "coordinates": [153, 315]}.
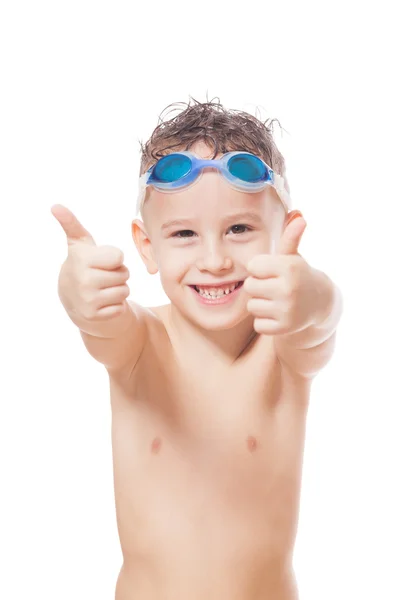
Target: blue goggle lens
{"type": "Point", "coordinates": [171, 168]}
{"type": "Point", "coordinates": [247, 168]}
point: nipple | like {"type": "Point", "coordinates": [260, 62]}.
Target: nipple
{"type": "Point", "coordinates": [156, 445]}
{"type": "Point", "coordinates": [252, 443]}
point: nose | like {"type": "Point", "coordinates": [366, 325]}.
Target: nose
{"type": "Point", "coordinates": [214, 259]}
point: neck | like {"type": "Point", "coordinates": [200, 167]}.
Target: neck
{"type": "Point", "coordinates": [206, 345]}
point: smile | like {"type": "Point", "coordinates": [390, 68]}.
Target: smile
{"type": "Point", "coordinates": [216, 292]}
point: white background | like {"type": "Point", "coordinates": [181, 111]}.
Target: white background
{"type": "Point", "coordinates": [81, 83]}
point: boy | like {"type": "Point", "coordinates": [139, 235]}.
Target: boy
{"type": "Point", "coordinates": [209, 393]}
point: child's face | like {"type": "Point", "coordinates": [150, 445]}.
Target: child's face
{"type": "Point", "coordinates": [206, 235]}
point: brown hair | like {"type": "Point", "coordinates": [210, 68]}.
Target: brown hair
{"type": "Point", "coordinates": [228, 130]}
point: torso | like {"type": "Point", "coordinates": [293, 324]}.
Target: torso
{"type": "Point", "coordinates": [207, 471]}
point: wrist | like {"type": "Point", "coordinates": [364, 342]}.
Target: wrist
{"type": "Point", "coordinates": [107, 328]}
{"type": "Point", "coordinates": [329, 304]}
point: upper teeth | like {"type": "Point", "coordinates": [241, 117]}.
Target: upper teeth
{"type": "Point", "coordinates": [212, 292]}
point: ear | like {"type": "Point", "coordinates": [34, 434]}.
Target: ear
{"type": "Point", "coordinates": [143, 244]}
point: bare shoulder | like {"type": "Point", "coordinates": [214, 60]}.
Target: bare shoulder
{"type": "Point", "coordinates": [154, 319]}
{"type": "Point", "coordinates": [149, 329]}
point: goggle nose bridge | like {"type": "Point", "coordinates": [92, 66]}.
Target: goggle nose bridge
{"type": "Point", "coordinates": [214, 164]}
{"type": "Point", "coordinates": [210, 163]}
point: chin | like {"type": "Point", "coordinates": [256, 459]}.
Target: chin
{"type": "Point", "coordinates": [215, 324]}
{"type": "Point", "coordinates": [210, 319]}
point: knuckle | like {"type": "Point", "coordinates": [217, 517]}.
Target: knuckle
{"type": "Point", "coordinates": [123, 291]}
{"type": "Point", "coordinates": [287, 289]}
{"type": "Point", "coordinates": [114, 253]}
{"type": "Point", "coordinates": [88, 301]}
{"type": "Point", "coordinates": [86, 283]}
{"type": "Point", "coordinates": [88, 312]}
{"type": "Point", "coordinates": [260, 325]}
{"type": "Point", "coordinates": [296, 268]}
{"type": "Point", "coordinates": [124, 272]}
{"type": "Point", "coordinates": [117, 309]}
{"type": "Point", "coordinates": [250, 305]}
{"type": "Point", "coordinates": [88, 294]}
{"type": "Point", "coordinates": [248, 284]}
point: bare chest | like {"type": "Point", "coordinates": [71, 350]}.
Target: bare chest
{"type": "Point", "coordinates": [243, 417]}
{"type": "Point", "coordinates": [193, 449]}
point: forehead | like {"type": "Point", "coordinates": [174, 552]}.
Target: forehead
{"type": "Point", "coordinates": [210, 201]}
{"type": "Point", "coordinates": [210, 198]}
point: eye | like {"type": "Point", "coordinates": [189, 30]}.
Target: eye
{"type": "Point", "coordinates": [185, 233]}
{"type": "Point", "coordinates": [240, 228]}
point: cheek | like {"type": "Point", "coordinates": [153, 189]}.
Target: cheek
{"type": "Point", "coordinates": [173, 265]}
{"type": "Point", "coordinates": [260, 245]}
{"type": "Point", "coordinates": [243, 253]}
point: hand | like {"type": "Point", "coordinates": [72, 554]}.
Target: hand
{"type": "Point", "coordinates": [283, 288]}
{"type": "Point", "coordinates": [92, 281]}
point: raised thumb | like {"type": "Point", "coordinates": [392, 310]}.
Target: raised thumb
{"type": "Point", "coordinates": [74, 230]}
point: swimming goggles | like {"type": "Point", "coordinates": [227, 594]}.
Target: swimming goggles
{"type": "Point", "coordinates": [242, 170]}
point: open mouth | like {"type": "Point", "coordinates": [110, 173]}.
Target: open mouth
{"type": "Point", "coordinates": [219, 291]}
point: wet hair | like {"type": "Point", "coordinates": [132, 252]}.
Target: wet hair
{"type": "Point", "coordinates": [224, 129]}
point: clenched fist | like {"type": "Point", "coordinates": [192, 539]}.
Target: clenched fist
{"type": "Point", "coordinates": [92, 282]}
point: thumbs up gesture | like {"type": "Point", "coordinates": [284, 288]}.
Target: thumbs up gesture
{"type": "Point", "coordinates": [92, 282]}
{"type": "Point", "coordinates": [286, 294]}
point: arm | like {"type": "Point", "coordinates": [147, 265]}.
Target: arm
{"type": "Point", "coordinates": [93, 289]}
{"type": "Point", "coordinates": [116, 343]}
{"type": "Point", "coordinates": [306, 352]}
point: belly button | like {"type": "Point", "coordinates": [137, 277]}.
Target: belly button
{"type": "Point", "coordinates": [156, 445]}
{"type": "Point", "coordinates": [252, 443]}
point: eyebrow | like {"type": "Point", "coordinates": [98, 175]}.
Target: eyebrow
{"type": "Point", "coordinates": [176, 223]}
{"type": "Point", "coordinates": [241, 216]}
{"type": "Point", "coordinates": [244, 216]}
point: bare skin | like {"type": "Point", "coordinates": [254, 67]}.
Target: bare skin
{"type": "Point", "coordinates": [207, 462]}
{"type": "Point", "coordinates": [208, 416]}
